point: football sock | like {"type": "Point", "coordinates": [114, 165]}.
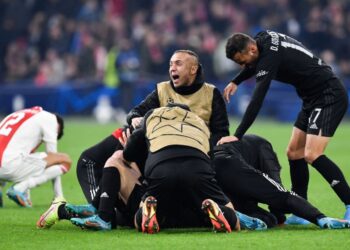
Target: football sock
{"type": "Point", "coordinates": [135, 198]}
{"type": "Point", "coordinates": [299, 175]}
{"type": "Point", "coordinates": [302, 208]}
{"type": "Point", "coordinates": [110, 186]}
{"type": "Point", "coordinates": [230, 216]}
{"type": "Point", "coordinates": [63, 213]}
{"type": "Point", "coordinates": [57, 186]}
{"type": "Point", "coordinates": [33, 181]}
{"type": "Point", "coordinates": [332, 173]}
{"type": "Point", "coordinates": [268, 217]}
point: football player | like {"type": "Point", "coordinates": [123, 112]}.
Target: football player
{"type": "Point", "coordinates": [21, 133]}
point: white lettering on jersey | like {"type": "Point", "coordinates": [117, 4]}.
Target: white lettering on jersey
{"type": "Point", "coordinates": [297, 47]}
{"type": "Point", "coordinates": [261, 73]}
{"type": "Point", "coordinates": [274, 40]}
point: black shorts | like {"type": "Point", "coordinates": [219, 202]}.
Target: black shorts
{"type": "Point", "coordinates": [90, 165]}
{"type": "Point", "coordinates": [183, 182]}
{"type": "Point", "coordinates": [322, 115]}
{"type": "Point", "coordinates": [89, 174]}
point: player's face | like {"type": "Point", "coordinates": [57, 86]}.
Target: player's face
{"type": "Point", "coordinates": [182, 69]}
{"type": "Point", "coordinates": [247, 57]}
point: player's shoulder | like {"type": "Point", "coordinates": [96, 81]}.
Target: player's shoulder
{"type": "Point", "coordinates": [263, 35]}
{"type": "Point", "coordinates": [45, 116]}
{"type": "Point", "coordinates": [209, 85]}
{"type": "Point", "coordinates": [255, 139]}
{"type": "Point", "coordinates": [269, 37]}
{"type": "Point", "coordinates": [46, 113]}
{"type": "Point", "coordinates": [163, 83]}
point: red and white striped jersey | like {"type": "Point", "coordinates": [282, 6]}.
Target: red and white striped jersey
{"type": "Point", "coordinates": [23, 131]}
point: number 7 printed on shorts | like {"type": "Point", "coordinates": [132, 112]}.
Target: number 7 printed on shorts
{"type": "Point", "coordinates": [317, 112]}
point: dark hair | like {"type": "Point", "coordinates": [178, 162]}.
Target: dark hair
{"type": "Point", "coordinates": [61, 126]}
{"type": "Point", "coordinates": [187, 51]}
{"type": "Point", "coordinates": [237, 43]}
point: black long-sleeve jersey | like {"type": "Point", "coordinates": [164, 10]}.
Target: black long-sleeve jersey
{"type": "Point", "coordinates": [284, 59]}
{"type": "Point", "coordinates": [218, 124]}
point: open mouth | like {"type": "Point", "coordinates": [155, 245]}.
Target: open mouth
{"type": "Point", "coordinates": [175, 77]}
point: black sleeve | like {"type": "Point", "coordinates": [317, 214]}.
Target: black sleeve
{"type": "Point", "coordinates": [136, 144]}
{"type": "Point", "coordinates": [218, 124]}
{"type": "Point", "coordinates": [150, 102]}
{"type": "Point", "coordinates": [245, 74]}
{"type": "Point", "coordinates": [266, 71]}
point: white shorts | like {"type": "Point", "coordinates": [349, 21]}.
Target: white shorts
{"type": "Point", "coordinates": [23, 166]}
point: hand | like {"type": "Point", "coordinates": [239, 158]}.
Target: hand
{"type": "Point", "coordinates": [229, 90]}
{"type": "Point", "coordinates": [136, 122]}
{"type": "Point", "coordinates": [124, 138]}
{"type": "Point", "coordinates": [227, 139]}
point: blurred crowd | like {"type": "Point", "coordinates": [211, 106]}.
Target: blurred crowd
{"type": "Point", "coordinates": [51, 41]}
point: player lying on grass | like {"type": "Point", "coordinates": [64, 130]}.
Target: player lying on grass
{"type": "Point", "coordinates": [21, 133]}
{"type": "Point", "coordinates": [246, 186]}
{"type": "Point", "coordinates": [258, 154]}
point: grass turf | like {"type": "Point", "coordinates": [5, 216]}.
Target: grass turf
{"type": "Point", "coordinates": [17, 225]}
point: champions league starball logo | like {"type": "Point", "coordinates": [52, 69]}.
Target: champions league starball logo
{"type": "Point", "coordinates": [170, 100]}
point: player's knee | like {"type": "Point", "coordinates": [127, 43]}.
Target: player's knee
{"type": "Point", "coordinates": [290, 153]}
{"type": "Point", "coordinates": [68, 163]}
{"type": "Point", "coordinates": [61, 159]}
{"type": "Point", "coordinates": [311, 156]}
{"type": "Point", "coordinates": [294, 154]}
{"type": "Point", "coordinates": [279, 200]}
{"type": "Point", "coordinates": [66, 168]}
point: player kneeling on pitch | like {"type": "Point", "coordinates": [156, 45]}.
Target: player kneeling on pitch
{"type": "Point", "coordinates": [247, 186]}
{"type": "Point", "coordinates": [21, 133]}
{"type": "Point", "coordinates": [178, 165]}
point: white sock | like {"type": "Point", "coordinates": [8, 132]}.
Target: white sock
{"type": "Point", "coordinates": [33, 181]}
{"type": "Point", "coordinates": [57, 187]}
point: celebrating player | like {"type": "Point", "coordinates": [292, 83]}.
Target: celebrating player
{"type": "Point", "coordinates": [271, 55]}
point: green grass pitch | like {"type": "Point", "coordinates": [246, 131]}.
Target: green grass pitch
{"type": "Point", "coordinates": [18, 231]}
